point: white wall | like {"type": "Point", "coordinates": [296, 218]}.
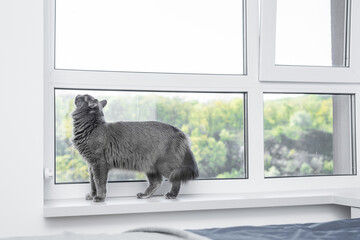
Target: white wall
{"type": "Point", "coordinates": [21, 149]}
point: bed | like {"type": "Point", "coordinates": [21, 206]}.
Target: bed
{"type": "Point", "coordinates": [340, 230]}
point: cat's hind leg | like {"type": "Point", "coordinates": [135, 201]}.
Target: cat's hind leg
{"type": "Point", "coordinates": [175, 188]}
{"type": "Point", "coordinates": [155, 180]}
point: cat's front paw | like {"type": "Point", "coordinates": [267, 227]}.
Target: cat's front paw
{"type": "Point", "coordinates": [89, 196]}
{"type": "Point", "coordinates": [170, 195]}
{"type": "Point", "coordinates": [98, 199]}
{"type": "Point", "coordinates": [142, 195]}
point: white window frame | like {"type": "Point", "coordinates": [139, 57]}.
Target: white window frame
{"type": "Point", "coordinates": [269, 71]}
{"type": "Point", "coordinates": [77, 79]}
{"type": "Point", "coordinates": [248, 83]}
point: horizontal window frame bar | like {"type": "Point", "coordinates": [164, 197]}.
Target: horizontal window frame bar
{"type": "Point", "coordinates": [150, 90]}
{"type": "Point", "coordinates": [228, 186]}
{"type": "Point", "coordinates": [77, 207]}
{"type": "Point", "coordinates": [315, 175]}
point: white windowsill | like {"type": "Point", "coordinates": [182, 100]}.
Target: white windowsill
{"type": "Point", "coordinates": [131, 205]}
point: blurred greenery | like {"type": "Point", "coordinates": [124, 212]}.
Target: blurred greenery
{"type": "Point", "coordinates": [214, 125]}
{"type": "Point", "coordinates": [297, 132]}
{"type": "Point", "coordinates": [298, 135]}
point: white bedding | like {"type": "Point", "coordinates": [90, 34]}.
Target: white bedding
{"type": "Point", "coordinates": [149, 233]}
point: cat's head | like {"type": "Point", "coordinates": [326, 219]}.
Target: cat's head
{"type": "Point", "coordinates": [89, 105]}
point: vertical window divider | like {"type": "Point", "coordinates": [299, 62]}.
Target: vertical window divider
{"type": "Point", "coordinates": [343, 145]}
{"type": "Point", "coordinates": [255, 137]}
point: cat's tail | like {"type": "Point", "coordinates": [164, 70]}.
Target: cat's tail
{"type": "Point", "coordinates": [188, 171]}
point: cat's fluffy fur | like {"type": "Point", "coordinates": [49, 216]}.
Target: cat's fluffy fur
{"type": "Point", "coordinates": [155, 148]}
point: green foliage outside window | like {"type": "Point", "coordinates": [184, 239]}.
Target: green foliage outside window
{"type": "Point", "coordinates": [298, 135]}
{"type": "Point", "coordinates": [215, 127]}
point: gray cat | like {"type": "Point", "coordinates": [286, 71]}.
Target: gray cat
{"type": "Point", "coordinates": [155, 148]}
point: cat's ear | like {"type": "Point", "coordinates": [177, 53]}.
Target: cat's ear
{"type": "Point", "coordinates": [103, 103]}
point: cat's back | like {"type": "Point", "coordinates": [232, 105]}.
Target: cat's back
{"type": "Point", "coordinates": [142, 128]}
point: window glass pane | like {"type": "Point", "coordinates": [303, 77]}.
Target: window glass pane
{"type": "Point", "coordinates": [187, 36]}
{"type": "Point", "coordinates": [311, 32]}
{"type": "Point", "coordinates": [308, 134]}
{"type": "Point", "coordinates": [213, 121]}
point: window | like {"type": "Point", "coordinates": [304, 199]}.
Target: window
{"type": "Point", "coordinates": [199, 66]}
{"type": "Point", "coordinates": [213, 121]}
{"type": "Point", "coordinates": [311, 32]}
{"type": "Point", "coordinates": [308, 134]}
{"type": "Point", "coordinates": [159, 56]}
{"type": "Point", "coordinates": [309, 41]}
{"type": "Point", "coordinates": [150, 36]}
